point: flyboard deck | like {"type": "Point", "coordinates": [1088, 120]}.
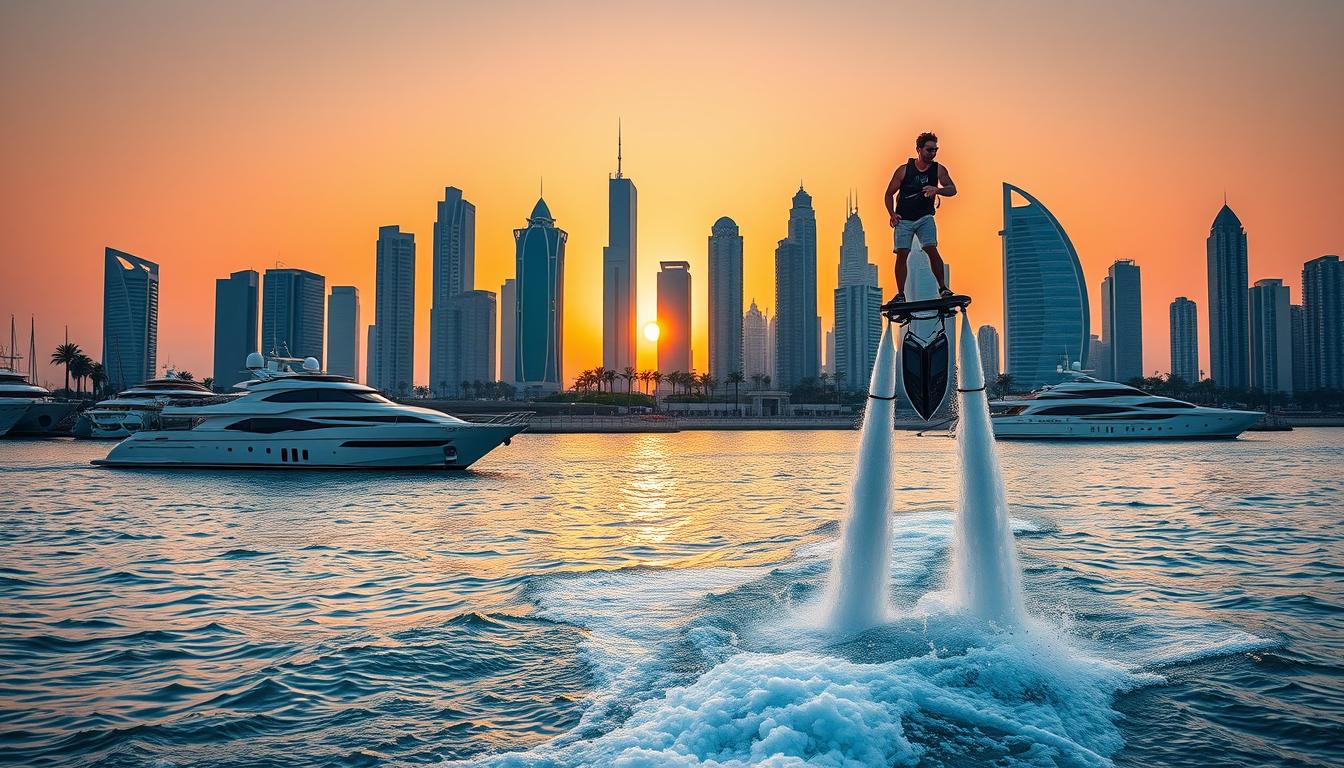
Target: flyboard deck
{"type": "Point", "coordinates": [926, 364]}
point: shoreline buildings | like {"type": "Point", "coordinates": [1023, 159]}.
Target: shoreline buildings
{"type": "Point", "coordinates": [454, 266]}
{"type": "Point", "coordinates": [1323, 320]}
{"type": "Point", "coordinates": [798, 329]}
{"type": "Point", "coordinates": [1046, 315]}
{"type": "Point", "coordinates": [540, 286]}
{"type": "Point", "coordinates": [343, 331]}
{"type": "Point", "coordinates": [1184, 339]}
{"type": "Point", "coordinates": [987, 337]}
{"type": "Point", "coordinates": [858, 302]}
{"type": "Point", "coordinates": [237, 303]}
{"type": "Point", "coordinates": [619, 271]}
{"type": "Point", "coordinates": [1229, 346]}
{"type": "Point", "coordinates": [394, 311]}
{"type": "Point", "coordinates": [756, 343]}
{"type": "Point", "coordinates": [292, 321]}
{"type": "Point", "coordinates": [1270, 337]}
{"type": "Point", "coordinates": [674, 317]}
{"type": "Point", "coordinates": [1122, 321]}
{"type": "Point", "coordinates": [130, 319]}
{"type": "Point", "coordinates": [725, 299]}
{"type": "Point", "coordinates": [508, 330]}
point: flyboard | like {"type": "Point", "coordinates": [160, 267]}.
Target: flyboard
{"type": "Point", "coordinates": [926, 362]}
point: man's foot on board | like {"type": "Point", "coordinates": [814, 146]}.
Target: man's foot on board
{"type": "Point", "coordinates": [945, 293]}
{"type": "Point", "coordinates": [900, 299]}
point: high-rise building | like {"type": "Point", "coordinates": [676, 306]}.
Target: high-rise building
{"type": "Point", "coordinates": [236, 308]}
{"type": "Point", "coordinates": [540, 275]}
{"type": "Point", "coordinates": [469, 335]}
{"type": "Point", "coordinates": [371, 355]}
{"type": "Point", "coordinates": [1323, 315]}
{"type": "Point", "coordinates": [1271, 339]}
{"type": "Point", "coordinates": [1297, 320]}
{"type": "Point", "coordinates": [1096, 351]}
{"type": "Point", "coordinates": [343, 331]}
{"type": "Point", "coordinates": [858, 302]}
{"type": "Point", "coordinates": [291, 313]}
{"type": "Point", "coordinates": [1046, 314]}
{"type": "Point", "coordinates": [454, 272]}
{"type": "Point", "coordinates": [130, 319]}
{"type": "Point", "coordinates": [771, 328]}
{"type": "Point", "coordinates": [828, 358]}
{"type": "Point", "coordinates": [394, 311]}
{"type": "Point", "coordinates": [1122, 320]}
{"type": "Point", "coordinates": [797, 338]}
{"type": "Point", "coordinates": [508, 333]}
{"type": "Point", "coordinates": [1229, 346]}
{"type": "Point", "coordinates": [619, 270]}
{"type": "Point", "coordinates": [1184, 340]}
{"type": "Point", "coordinates": [674, 317]}
{"type": "Point", "coordinates": [755, 343]}
{"type": "Point", "coordinates": [987, 337]}
{"type": "Point", "coordinates": [725, 299]}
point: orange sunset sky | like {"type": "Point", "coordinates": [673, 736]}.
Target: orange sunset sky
{"type": "Point", "coordinates": [213, 137]}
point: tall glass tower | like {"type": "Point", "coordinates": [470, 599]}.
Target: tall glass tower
{"type": "Point", "coordinates": [130, 318]}
{"type": "Point", "coordinates": [1184, 340]}
{"type": "Point", "coordinates": [725, 299]}
{"type": "Point", "coordinates": [1122, 306]}
{"type": "Point", "coordinates": [1271, 339]}
{"type": "Point", "coordinates": [454, 273]}
{"type": "Point", "coordinates": [619, 267]}
{"type": "Point", "coordinates": [1323, 321]}
{"type": "Point", "coordinates": [1046, 315]}
{"type": "Point", "coordinates": [540, 286]}
{"type": "Point", "coordinates": [798, 332]}
{"type": "Point", "coordinates": [292, 321]}
{"type": "Point", "coordinates": [236, 305]}
{"type": "Point", "coordinates": [394, 311]}
{"type": "Point", "coordinates": [1229, 343]}
{"type": "Point", "coordinates": [858, 302]}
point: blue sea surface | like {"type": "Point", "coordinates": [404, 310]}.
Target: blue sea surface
{"type": "Point", "coordinates": [653, 600]}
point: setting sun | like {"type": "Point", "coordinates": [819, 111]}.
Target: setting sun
{"type": "Point", "coordinates": [651, 331]}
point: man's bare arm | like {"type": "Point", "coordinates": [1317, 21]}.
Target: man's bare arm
{"type": "Point", "coordinates": [945, 186]}
{"type": "Point", "coordinates": [893, 187]}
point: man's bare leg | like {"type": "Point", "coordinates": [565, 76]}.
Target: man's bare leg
{"type": "Point", "coordinates": [936, 264]}
{"type": "Point", "coordinates": [901, 269]}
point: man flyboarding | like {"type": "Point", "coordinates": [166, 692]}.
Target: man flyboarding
{"type": "Point", "coordinates": [916, 186]}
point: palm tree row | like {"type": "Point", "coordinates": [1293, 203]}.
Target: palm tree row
{"type": "Point", "coordinates": [78, 366]}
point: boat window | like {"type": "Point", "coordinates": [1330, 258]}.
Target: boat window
{"type": "Point", "coordinates": [1111, 392]}
{"type": "Point", "coordinates": [395, 419]}
{"type": "Point", "coordinates": [1167, 404]}
{"type": "Point", "coordinates": [28, 395]}
{"type": "Point", "coordinates": [1013, 411]}
{"type": "Point", "coordinates": [1081, 410]}
{"type": "Point", "coordinates": [322, 395]}
{"type": "Point", "coordinates": [267, 426]}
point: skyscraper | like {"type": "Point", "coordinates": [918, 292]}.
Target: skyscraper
{"type": "Point", "coordinates": [371, 355]}
{"type": "Point", "coordinates": [1184, 340]}
{"type": "Point", "coordinates": [469, 335]}
{"type": "Point", "coordinates": [236, 306]}
{"type": "Point", "coordinates": [798, 333]}
{"type": "Point", "coordinates": [291, 312]}
{"type": "Point", "coordinates": [1105, 365]}
{"type": "Point", "coordinates": [755, 343]}
{"type": "Point", "coordinates": [540, 275]}
{"type": "Point", "coordinates": [130, 319]}
{"type": "Point", "coordinates": [725, 299]}
{"type": "Point", "coordinates": [1297, 320]}
{"type": "Point", "coordinates": [394, 311]}
{"type": "Point", "coordinates": [1323, 315]}
{"type": "Point", "coordinates": [828, 352]}
{"type": "Point", "coordinates": [1271, 339]}
{"type": "Point", "coordinates": [1229, 348]}
{"type": "Point", "coordinates": [508, 333]}
{"type": "Point", "coordinates": [454, 272]}
{"type": "Point", "coordinates": [619, 270]}
{"type": "Point", "coordinates": [1046, 315]}
{"type": "Point", "coordinates": [343, 331]}
{"type": "Point", "coordinates": [858, 302]}
{"type": "Point", "coordinates": [987, 337]}
{"type": "Point", "coordinates": [674, 317]}
{"type": "Point", "coordinates": [1123, 323]}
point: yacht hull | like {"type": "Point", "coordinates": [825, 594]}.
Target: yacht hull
{"type": "Point", "coordinates": [1212, 425]}
{"type": "Point", "coordinates": [42, 418]}
{"type": "Point", "coordinates": [10, 414]}
{"type": "Point", "coordinates": [421, 448]}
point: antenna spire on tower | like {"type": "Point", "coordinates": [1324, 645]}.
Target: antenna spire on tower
{"type": "Point", "coordinates": [618, 147]}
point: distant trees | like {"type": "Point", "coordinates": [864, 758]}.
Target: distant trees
{"type": "Point", "coordinates": [66, 354]}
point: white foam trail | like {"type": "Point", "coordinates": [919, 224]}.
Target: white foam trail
{"type": "Point", "coordinates": [986, 579]}
{"type": "Point", "coordinates": [857, 591]}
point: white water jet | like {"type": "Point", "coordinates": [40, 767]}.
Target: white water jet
{"type": "Point", "coordinates": [857, 592]}
{"type": "Point", "coordinates": [986, 579]}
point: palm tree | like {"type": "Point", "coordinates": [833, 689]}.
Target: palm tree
{"type": "Point", "coordinates": [735, 378]}
{"type": "Point", "coordinates": [80, 369]}
{"type": "Point", "coordinates": [466, 389]}
{"type": "Point", "coordinates": [657, 378]}
{"type": "Point", "coordinates": [66, 354]}
{"type": "Point", "coordinates": [599, 375]}
{"type": "Point", "coordinates": [208, 382]}
{"type": "Point", "coordinates": [609, 376]}
{"type": "Point", "coordinates": [757, 379]}
{"type": "Point", "coordinates": [98, 377]}
{"type": "Point", "coordinates": [629, 375]}
{"type": "Point", "coordinates": [185, 375]}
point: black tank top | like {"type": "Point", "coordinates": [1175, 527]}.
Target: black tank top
{"type": "Point", "coordinates": [911, 203]}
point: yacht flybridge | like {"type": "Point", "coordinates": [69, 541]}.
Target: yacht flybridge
{"type": "Point", "coordinates": [292, 415]}
{"type": "Point", "coordinates": [138, 407]}
{"type": "Point", "coordinates": [1086, 408]}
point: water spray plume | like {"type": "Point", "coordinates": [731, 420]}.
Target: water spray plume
{"type": "Point", "coordinates": [857, 596]}
{"type": "Point", "coordinates": [986, 580]}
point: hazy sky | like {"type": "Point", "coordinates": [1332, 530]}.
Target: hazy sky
{"type": "Point", "coordinates": [217, 137]}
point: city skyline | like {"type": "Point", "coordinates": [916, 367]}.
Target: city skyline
{"type": "Point", "coordinates": [211, 179]}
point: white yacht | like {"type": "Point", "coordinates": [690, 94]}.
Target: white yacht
{"type": "Point", "coordinates": [28, 408]}
{"type": "Point", "coordinates": [290, 418]}
{"type": "Point", "coordinates": [1082, 407]}
{"type": "Point", "coordinates": [138, 407]}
